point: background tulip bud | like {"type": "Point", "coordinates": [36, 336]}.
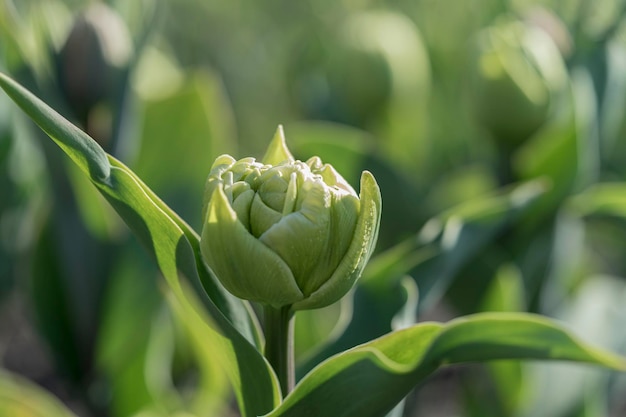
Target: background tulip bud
{"type": "Point", "coordinates": [287, 233]}
{"type": "Point", "coordinates": [92, 67]}
{"type": "Point", "coordinates": [517, 74]}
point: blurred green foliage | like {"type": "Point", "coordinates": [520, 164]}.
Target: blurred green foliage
{"type": "Point", "coordinates": [494, 128]}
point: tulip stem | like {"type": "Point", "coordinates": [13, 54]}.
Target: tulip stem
{"type": "Point", "coordinates": [279, 344]}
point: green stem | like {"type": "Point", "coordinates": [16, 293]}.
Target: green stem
{"type": "Point", "coordinates": [279, 344]}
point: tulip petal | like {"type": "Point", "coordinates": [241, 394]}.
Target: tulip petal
{"type": "Point", "coordinates": [222, 163]}
{"type": "Point", "coordinates": [301, 237]}
{"type": "Point", "coordinates": [329, 174]}
{"type": "Point", "coordinates": [278, 152]}
{"type": "Point", "coordinates": [344, 209]}
{"type": "Point", "coordinates": [273, 189]}
{"type": "Point", "coordinates": [291, 195]}
{"type": "Point", "coordinates": [358, 253]}
{"type": "Point", "coordinates": [241, 206]}
{"type": "Point", "coordinates": [262, 216]}
{"type": "Point", "coordinates": [246, 267]}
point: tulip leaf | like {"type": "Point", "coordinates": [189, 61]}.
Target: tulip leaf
{"type": "Point", "coordinates": [84, 151]}
{"type": "Point", "coordinates": [370, 379]}
{"type": "Point", "coordinates": [229, 323]}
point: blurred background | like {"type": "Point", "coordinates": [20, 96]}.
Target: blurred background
{"type": "Point", "coordinates": [495, 129]}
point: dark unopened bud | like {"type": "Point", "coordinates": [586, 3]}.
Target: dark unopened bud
{"type": "Point", "coordinates": [98, 47]}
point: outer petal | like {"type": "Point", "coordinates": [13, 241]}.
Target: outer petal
{"type": "Point", "coordinates": [246, 267]}
{"type": "Point", "coordinates": [358, 254]}
{"type": "Point", "coordinates": [344, 211]}
{"type": "Point", "coordinates": [278, 152]}
{"type": "Point", "coordinates": [221, 164]}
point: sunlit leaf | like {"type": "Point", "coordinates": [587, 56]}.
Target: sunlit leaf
{"type": "Point", "coordinates": [371, 378]}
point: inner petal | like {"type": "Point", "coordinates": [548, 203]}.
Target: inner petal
{"type": "Point", "coordinates": [273, 190]}
{"type": "Point", "coordinates": [241, 205]}
{"type": "Point", "coordinates": [291, 195]}
{"type": "Point", "coordinates": [262, 217]}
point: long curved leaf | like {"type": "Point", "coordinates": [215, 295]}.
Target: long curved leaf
{"type": "Point", "coordinates": [174, 245]}
{"type": "Point", "coordinates": [370, 379]}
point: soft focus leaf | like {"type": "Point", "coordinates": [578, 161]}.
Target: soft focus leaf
{"type": "Point", "coordinates": [371, 378]}
{"type": "Point", "coordinates": [505, 293]}
{"type": "Point", "coordinates": [128, 318]}
{"type": "Point", "coordinates": [21, 398]}
{"type": "Point", "coordinates": [175, 246]}
{"type": "Point", "coordinates": [552, 153]}
{"type": "Point", "coordinates": [597, 312]}
{"type": "Point", "coordinates": [459, 234]}
{"type": "Point", "coordinates": [48, 295]}
{"type": "Point", "coordinates": [212, 395]}
{"type": "Point", "coordinates": [316, 329]}
{"type": "Point", "coordinates": [614, 103]}
{"type": "Point", "coordinates": [601, 199]}
{"type": "Point", "coordinates": [195, 124]}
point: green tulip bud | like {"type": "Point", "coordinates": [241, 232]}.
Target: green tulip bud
{"type": "Point", "coordinates": [518, 74]}
{"type": "Point", "coordinates": [287, 233]}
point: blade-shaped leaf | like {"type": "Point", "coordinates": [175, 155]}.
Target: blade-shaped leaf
{"type": "Point", "coordinates": [371, 378]}
{"type": "Point", "coordinates": [85, 152]}
{"type": "Point", "coordinates": [174, 244]}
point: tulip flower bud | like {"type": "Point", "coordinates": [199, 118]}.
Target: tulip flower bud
{"type": "Point", "coordinates": [517, 74]}
{"type": "Point", "coordinates": [284, 232]}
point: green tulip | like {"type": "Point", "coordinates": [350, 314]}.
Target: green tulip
{"type": "Point", "coordinates": [287, 233]}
